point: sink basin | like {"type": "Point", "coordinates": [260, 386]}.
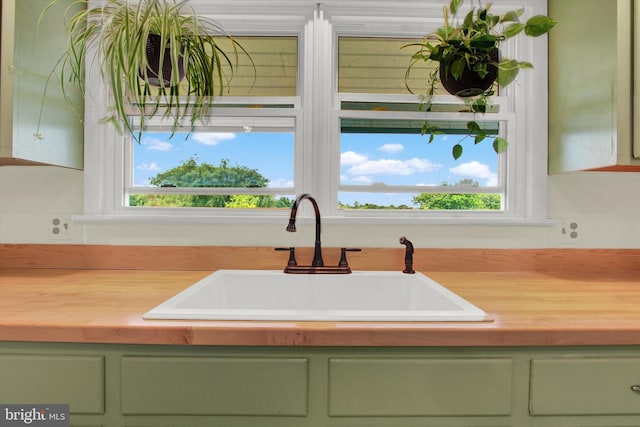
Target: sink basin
{"type": "Point", "coordinates": [274, 295]}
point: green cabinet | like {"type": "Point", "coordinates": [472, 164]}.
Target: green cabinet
{"type": "Point", "coordinates": [214, 386]}
{"type": "Point", "coordinates": [636, 79]}
{"type": "Point", "coordinates": [210, 386]}
{"type": "Point", "coordinates": [53, 379]}
{"type": "Point", "coordinates": [591, 84]}
{"type": "Point", "coordinates": [585, 386]}
{"type": "Point", "coordinates": [419, 387]}
{"type": "Point", "coordinates": [28, 54]}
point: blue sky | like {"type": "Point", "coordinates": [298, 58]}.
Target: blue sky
{"type": "Point", "coordinates": [408, 159]}
{"type": "Point", "coordinates": [271, 154]}
{"type": "Point", "coordinates": [393, 159]}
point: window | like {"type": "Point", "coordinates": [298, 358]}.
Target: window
{"type": "Point", "coordinates": [384, 164]}
{"type": "Point", "coordinates": [195, 169]}
{"type": "Point", "coordinates": [328, 112]}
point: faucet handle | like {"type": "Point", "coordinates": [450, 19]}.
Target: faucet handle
{"type": "Point", "coordinates": [292, 256]}
{"type": "Point", "coordinates": [343, 256]}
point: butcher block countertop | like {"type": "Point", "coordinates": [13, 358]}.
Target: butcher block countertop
{"type": "Point", "coordinates": [527, 308]}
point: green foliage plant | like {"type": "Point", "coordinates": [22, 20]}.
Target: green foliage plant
{"type": "Point", "coordinates": [117, 30]}
{"type": "Point", "coordinates": [468, 46]}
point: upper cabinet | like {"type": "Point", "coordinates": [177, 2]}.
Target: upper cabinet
{"type": "Point", "coordinates": [636, 77]}
{"type": "Point", "coordinates": [27, 56]}
{"type": "Point", "coordinates": [591, 84]}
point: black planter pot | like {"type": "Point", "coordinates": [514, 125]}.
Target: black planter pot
{"type": "Point", "coordinates": [470, 83]}
{"type": "Point", "coordinates": [153, 59]}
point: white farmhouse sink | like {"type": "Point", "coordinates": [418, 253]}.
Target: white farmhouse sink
{"type": "Point", "coordinates": [359, 296]}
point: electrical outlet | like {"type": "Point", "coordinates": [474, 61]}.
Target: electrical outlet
{"type": "Point", "coordinates": [570, 231]}
{"type": "Point", "coordinates": [60, 227]}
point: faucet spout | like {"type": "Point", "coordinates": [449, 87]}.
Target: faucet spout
{"type": "Point", "coordinates": [317, 251]}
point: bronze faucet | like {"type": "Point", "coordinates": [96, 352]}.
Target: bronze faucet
{"type": "Point", "coordinates": [317, 250]}
{"type": "Point", "coordinates": [317, 265]}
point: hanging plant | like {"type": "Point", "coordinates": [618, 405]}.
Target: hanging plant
{"type": "Point", "coordinates": [468, 60]}
{"type": "Point", "coordinates": [144, 49]}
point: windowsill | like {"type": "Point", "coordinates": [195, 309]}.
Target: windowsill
{"type": "Point", "coordinates": [328, 219]}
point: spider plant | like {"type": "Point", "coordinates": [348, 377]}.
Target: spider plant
{"type": "Point", "coordinates": [115, 34]}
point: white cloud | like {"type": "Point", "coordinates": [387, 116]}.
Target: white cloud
{"type": "Point", "coordinates": [349, 158]}
{"type": "Point", "coordinates": [393, 167]}
{"type": "Point", "coordinates": [476, 170]}
{"type": "Point", "coordinates": [213, 138]}
{"type": "Point", "coordinates": [156, 144]}
{"type": "Point", "coordinates": [391, 148]}
{"type": "Point", "coordinates": [472, 169]}
{"type": "Point", "coordinates": [492, 181]}
{"type": "Point", "coordinates": [153, 166]}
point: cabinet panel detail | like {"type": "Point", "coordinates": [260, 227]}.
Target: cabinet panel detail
{"type": "Point", "coordinates": [74, 380]}
{"type": "Point", "coordinates": [419, 387]}
{"type": "Point", "coordinates": [589, 386]}
{"type": "Point", "coordinates": [214, 386]}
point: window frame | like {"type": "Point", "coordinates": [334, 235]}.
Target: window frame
{"type": "Point", "coordinates": [226, 119]}
{"type": "Point", "coordinates": [317, 118]}
{"type": "Point", "coordinates": [506, 158]}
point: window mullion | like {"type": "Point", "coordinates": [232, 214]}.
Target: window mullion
{"type": "Point", "coordinates": [322, 87]}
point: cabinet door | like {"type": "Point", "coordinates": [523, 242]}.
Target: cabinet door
{"type": "Point", "coordinates": [589, 386]}
{"type": "Point", "coordinates": [214, 386]}
{"type": "Point", "coordinates": [419, 387]}
{"type": "Point", "coordinates": [29, 54]}
{"type": "Point", "coordinates": [636, 81]}
{"type": "Point", "coordinates": [590, 86]}
{"type": "Point", "coordinates": [74, 380]}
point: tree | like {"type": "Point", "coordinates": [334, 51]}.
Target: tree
{"type": "Point", "coordinates": [190, 173]}
{"type": "Point", "coordinates": [262, 201]}
{"type": "Point", "coordinates": [373, 206]}
{"type": "Point", "coordinates": [442, 201]}
{"type": "Point", "coordinates": [458, 201]}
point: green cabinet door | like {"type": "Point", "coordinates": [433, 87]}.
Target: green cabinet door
{"type": "Point", "coordinates": [214, 386]}
{"type": "Point", "coordinates": [47, 379]}
{"type": "Point", "coordinates": [588, 386]}
{"type": "Point", "coordinates": [419, 387]}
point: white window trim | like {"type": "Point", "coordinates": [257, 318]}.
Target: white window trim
{"type": "Point", "coordinates": [105, 148]}
{"type": "Point", "coordinates": [510, 210]}
{"type": "Point", "coordinates": [231, 120]}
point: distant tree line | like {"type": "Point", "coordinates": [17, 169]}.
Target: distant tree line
{"type": "Point", "coordinates": [191, 174]}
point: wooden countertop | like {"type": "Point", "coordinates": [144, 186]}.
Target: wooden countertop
{"type": "Point", "coordinates": [528, 309]}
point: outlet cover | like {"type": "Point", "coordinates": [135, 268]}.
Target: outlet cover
{"type": "Point", "coordinates": [570, 231]}
{"type": "Point", "coordinates": [60, 227]}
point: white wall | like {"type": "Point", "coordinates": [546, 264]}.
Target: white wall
{"type": "Point", "coordinates": [606, 207]}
